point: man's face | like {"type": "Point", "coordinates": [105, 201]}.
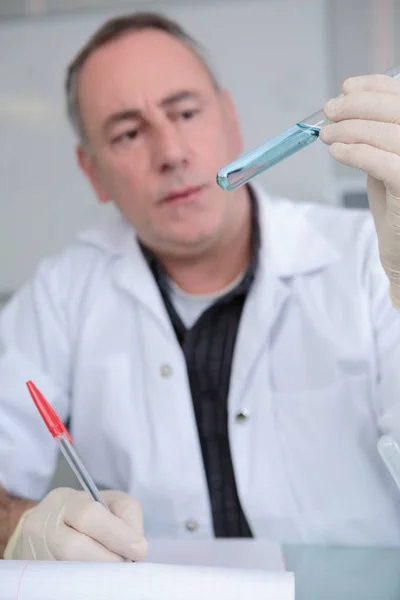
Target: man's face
{"type": "Point", "coordinates": [158, 132]}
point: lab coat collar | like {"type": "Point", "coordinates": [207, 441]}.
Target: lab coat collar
{"type": "Point", "coordinates": [114, 236]}
{"type": "Point", "coordinates": [290, 240]}
{"type": "Point", "coordinates": [130, 270]}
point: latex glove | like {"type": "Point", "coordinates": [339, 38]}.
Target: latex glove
{"type": "Point", "coordinates": [70, 525]}
{"type": "Point", "coordinates": [366, 135]}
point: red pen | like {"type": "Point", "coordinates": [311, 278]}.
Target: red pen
{"type": "Point", "coordinates": [61, 435]}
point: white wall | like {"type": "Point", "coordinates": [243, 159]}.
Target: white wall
{"type": "Point", "coordinates": [272, 54]}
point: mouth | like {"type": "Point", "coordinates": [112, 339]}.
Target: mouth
{"type": "Point", "coordinates": [183, 195]}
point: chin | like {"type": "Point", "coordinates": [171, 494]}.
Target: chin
{"type": "Point", "coordinates": [192, 243]}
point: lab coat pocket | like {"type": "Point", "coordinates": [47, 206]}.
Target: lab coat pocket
{"type": "Point", "coordinates": [328, 438]}
{"type": "Point", "coordinates": [324, 417]}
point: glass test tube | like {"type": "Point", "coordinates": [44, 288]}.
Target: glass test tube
{"type": "Point", "coordinates": [276, 149]}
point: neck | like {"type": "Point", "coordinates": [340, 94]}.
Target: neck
{"type": "Point", "coordinates": [217, 267]}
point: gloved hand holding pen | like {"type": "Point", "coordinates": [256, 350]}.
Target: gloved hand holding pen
{"type": "Point", "coordinates": [72, 525]}
{"type": "Point", "coordinates": [366, 135]}
{"type": "Point", "coordinates": [69, 525]}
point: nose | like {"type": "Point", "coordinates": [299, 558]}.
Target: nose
{"type": "Point", "coordinates": [169, 147]}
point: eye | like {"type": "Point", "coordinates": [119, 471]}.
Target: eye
{"type": "Point", "coordinates": [126, 136]}
{"type": "Point", "coordinates": [188, 113]}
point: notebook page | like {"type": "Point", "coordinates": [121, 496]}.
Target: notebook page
{"type": "Point", "coordinates": [36, 580]}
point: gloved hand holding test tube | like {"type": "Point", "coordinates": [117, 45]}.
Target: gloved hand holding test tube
{"type": "Point", "coordinates": [276, 149]}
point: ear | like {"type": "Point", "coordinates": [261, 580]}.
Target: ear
{"type": "Point", "coordinates": [232, 120]}
{"type": "Point", "coordinates": [87, 164]}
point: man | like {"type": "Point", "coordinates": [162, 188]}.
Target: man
{"type": "Point", "coordinates": [227, 360]}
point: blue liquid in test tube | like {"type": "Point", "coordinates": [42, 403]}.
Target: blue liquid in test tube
{"type": "Point", "coordinates": [269, 154]}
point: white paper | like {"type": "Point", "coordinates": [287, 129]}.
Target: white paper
{"type": "Point", "coordinates": [217, 552]}
{"type": "Point", "coordinates": [36, 580]}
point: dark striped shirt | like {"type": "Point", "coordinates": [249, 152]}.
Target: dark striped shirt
{"type": "Point", "coordinates": [208, 347]}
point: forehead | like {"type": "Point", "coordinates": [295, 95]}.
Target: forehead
{"type": "Point", "coordinates": [140, 67]}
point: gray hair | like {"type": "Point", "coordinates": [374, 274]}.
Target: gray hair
{"type": "Point", "coordinates": [114, 29]}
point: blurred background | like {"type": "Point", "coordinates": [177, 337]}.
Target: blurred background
{"type": "Point", "coordinates": [281, 59]}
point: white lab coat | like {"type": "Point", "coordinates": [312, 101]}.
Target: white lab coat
{"type": "Point", "coordinates": [316, 371]}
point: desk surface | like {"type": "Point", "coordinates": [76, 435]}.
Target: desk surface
{"type": "Point", "coordinates": [344, 574]}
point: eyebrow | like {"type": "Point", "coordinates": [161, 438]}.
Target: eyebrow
{"type": "Point", "coordinates": [131, 114]}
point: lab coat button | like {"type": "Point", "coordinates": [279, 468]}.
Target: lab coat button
{"type": "Point", "coordinates": [192, 525]}
{"type": "Point", "coordinates": [242, 416]}
{"type": "Point", "coordinates": [166, 371]}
